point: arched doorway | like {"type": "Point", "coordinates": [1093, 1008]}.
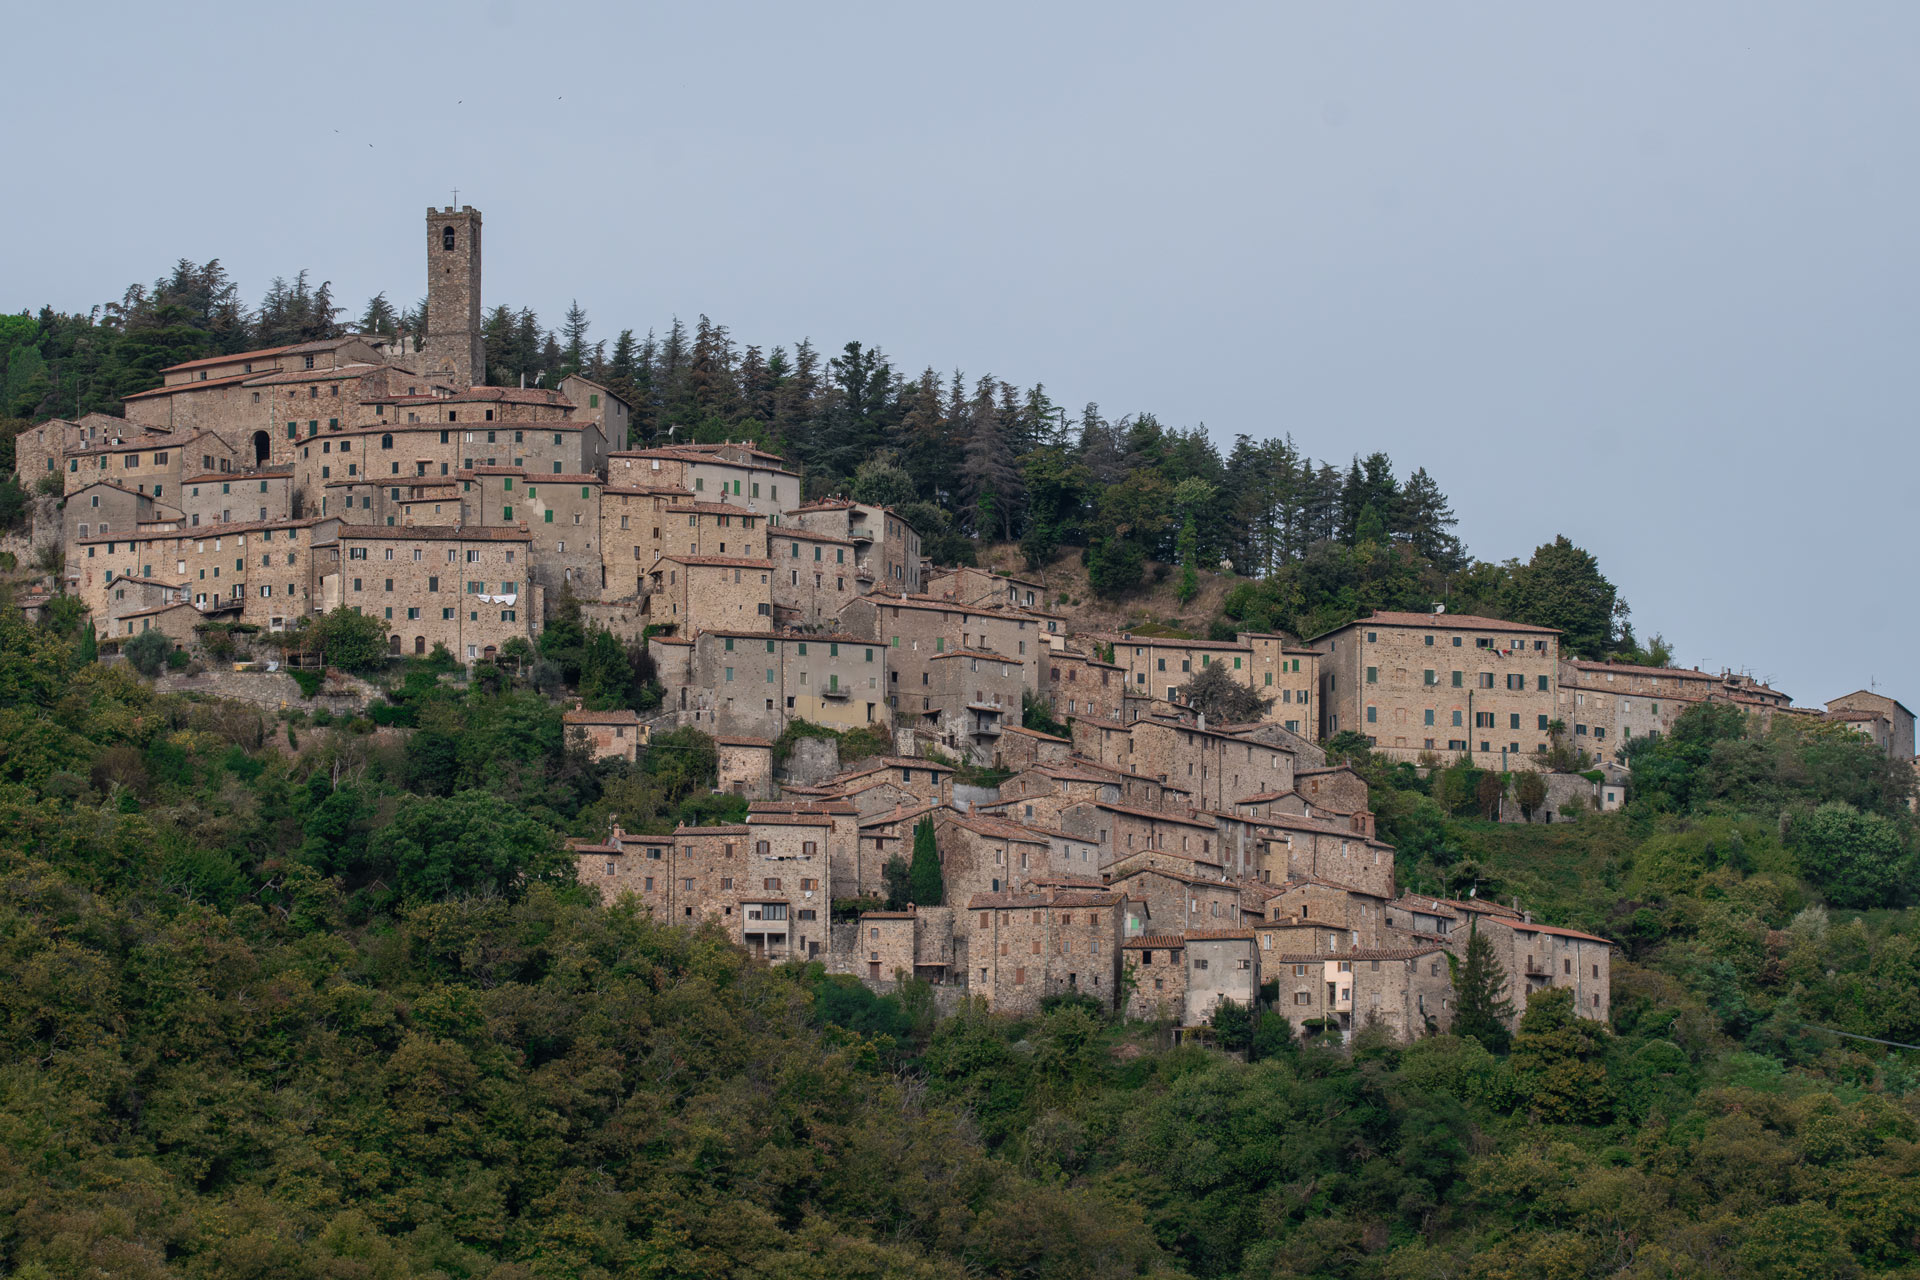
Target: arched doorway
{"type": "Point", "coordinates": [262, 447]}
{"type": "Point", "coordinates": [419, 644]}
{"type": "Point", "coordinates": [393, 644]}
{"type": "Point", "coordinates": [487, 653]}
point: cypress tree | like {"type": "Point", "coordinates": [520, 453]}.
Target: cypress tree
{"type": "Point", "coordinates": [927, 886]}
{"type": "Point", "coordinates": [1481, 1007]}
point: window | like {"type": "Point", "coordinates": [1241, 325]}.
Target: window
{"type": "Point", "coordinates": [1373, 673]}
{"type": "Point", "coordinates": [1429, 676]}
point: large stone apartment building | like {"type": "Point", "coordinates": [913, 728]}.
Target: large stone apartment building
{"type": "Point", "coordinates": [1444, 686]}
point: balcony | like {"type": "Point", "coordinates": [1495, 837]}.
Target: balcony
{"type": "Point", "coordinates": [986, 729]}
{"type": "Point", "coordinates": [834, 691]}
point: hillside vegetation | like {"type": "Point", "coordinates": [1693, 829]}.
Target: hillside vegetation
{"type": "Point", "coordinates": [296, 1002]}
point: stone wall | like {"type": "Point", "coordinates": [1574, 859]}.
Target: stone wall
{"type": "Point", "coordinates": [341, 694]}
{"type": "Point", "coordinates": [812, 761]}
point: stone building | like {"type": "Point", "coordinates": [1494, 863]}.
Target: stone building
{"type": "Point", "coordinates": [230, 497]}
{"type": "Point", "coordinates": [710, 592]}
{"type": "Point", "coordinates": [608, 735]}
{"type": "Point", "coordinates": [636, 864]}
{"type": "Point", "coordinates": [102, 508]}
{"type": "Point", "coordinates": [1156, 969]}
{"type": "Point", "coordinates": [1024, 947]}
{"type": "Point", "coordinates": [1882, 719]}
{"type": "Point", "coordinates": [453, 348]}
{"type": "Point", "coordinates": [1353, 913]}
{"type": "Point", "coordinates": [598, 404]}
{"type": "Point", "coordinates": [1537, 956]}
{"type": "Point", "coordinates": [968, 585]}
{"type": "Point", "coordinates": [766, 882]}
{"type": "Point", "coordinates": [985, 855]}
{"type": "Point", "coordinates": [757, 681]}
{"type": "Point", "coordinates": [1080, 685]}
{"type": "Point", "coordinates": [736, 473]}
{"type": "Point", "coordinates": [1222, 965]}
{"type": "Point", "coordinates": [1409, 990]}
{"type": "Point", "coordinates": [1177, 899]}
{"type": "Point", "coordinates": [1290, 848]}
{"type": "Point", "coordinates": [965, 700]}
{"type": "Point", "coordinates": [888, 547]}
{"type": "Point", "coordinates": [1214, 769]}
{"type": "Point", "coordinates": [745, 765]}
{"type": "Point", "coordinates": [1272, 665]}
{"type": "Point", "coordinates": [466, 588]}
{"type": "Point", "coordinates": [266, 569]}
{"type": "Point", "coordinates": [814, 576]}
{"type": "Point", "coordinates": [1123, 829]}
{"type": "Point", "coordinates": [846, 873]}
{"type": "Point", "coordinates": [918, 630]}
{"type": "Point", "coordinates": [886, 944]}
{"type": "Point", "coordinates": [1455, 686]}
{"type": "Point", "coordinates": [1022, 748]}
{"type": "Point", "coordinates": [635, 531]}
{"type": "Point", "coordinates": [1037, 795]}
{"type": "Point", "coordinates": [1604, 706]}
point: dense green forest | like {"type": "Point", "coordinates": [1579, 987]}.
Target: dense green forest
{"type": "Point", "coordinates": [967, 460]}
{"type": "Point", "coordinates": [289, 998]}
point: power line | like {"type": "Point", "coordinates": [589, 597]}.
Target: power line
{"type": "Point", "coordinates": [1851, 1036]}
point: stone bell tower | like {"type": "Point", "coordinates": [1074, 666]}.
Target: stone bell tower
{"type": "Point", "coordinates": [453, 348]}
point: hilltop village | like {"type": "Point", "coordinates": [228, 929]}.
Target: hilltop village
{"type": "Point", "coordinates": [1146, 858]}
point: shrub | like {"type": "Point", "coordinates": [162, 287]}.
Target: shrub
{"type": "Point", "coordinates": [147, 652]}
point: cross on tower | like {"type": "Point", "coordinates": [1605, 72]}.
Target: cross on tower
{"type": "Point", "coordinates": [456, 197]}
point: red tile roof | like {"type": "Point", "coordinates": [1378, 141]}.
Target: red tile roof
{"type": "Point", "coordinates": [1448, 622]}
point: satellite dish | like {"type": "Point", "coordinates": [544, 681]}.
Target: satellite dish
{"type": "Point", "coordinates": [1439, 608]}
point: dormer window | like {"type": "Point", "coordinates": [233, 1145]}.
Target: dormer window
{"type": "Point", "coordinates": [308, 362]}
{"type": "Point", "coordinates": [446, 238]}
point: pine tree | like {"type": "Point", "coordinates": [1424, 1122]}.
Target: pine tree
{"type": "Point", "coordinates": [898, 879]}
{"type": "Point", "coordinates": [1480, 1005]}
{"type": "Point", "coordinates": [926, 883]}
{"type": "Point", "coordinates": [379, 317]}
{"type": "Point", "coordinates": [1427, 521]}
{"type": "Point", "coordinates": [573, 332]}
{"type": "Point", "coordinates": [989, 481]}
{"type": "Point", "coordinates": [1562, 587]}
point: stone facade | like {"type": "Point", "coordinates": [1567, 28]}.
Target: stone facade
{"type": "Point", "coordinates": [982, 855]}
{"type": "Point", "coordinates": [1882, 719]}
{"type": "Point", "coordinates": [1537, 956]}
{"type": "Point", "coordinates": [756, 682]}
{"type": "Point", "coordinates": [968, 585]}
{"type": "Point", "coordinates": [919, 630]}
{"type": "Point", "coordinates": [1408, 990]}
{"type": "Point", "coordinates": [1022, 948]}
{"type": "Point", "coordinates": [464, 588]}
{"type": "Point", "coordinates": [814, 576]}
{"type": "Point", "coordinates": [1156, 969]}
{"type": "Point", "coordinates": [712, 591]}
{"type": "Point", "coordinates": [886, 944]}
{"type": "Point", "coordinates": [635, 531]}
{"type": "Point", "coordinates": [453, 348]}
{"type": "Point", "coordinates": [746, 765]}
{"type": "Point", "coordinates": [1455, 686]}
{"type": "Point", "coordinates": [1214, 769]}
{"type": "Point", "coordinates": [219, 497]}
{"type": "Point", "coordinates": [1022, 748]}
{"type": "Point", "coordinates": [1081, 686]}
{"type": "Point", "coordinates": [889, 547]}
{"type": "Point", "coordinates": [1222, 964]}
{"type": "Point", "coordinates": [609, 735]}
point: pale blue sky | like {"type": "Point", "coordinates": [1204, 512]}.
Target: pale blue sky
{"type": "Point", "coordinates": [1639, 273]}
